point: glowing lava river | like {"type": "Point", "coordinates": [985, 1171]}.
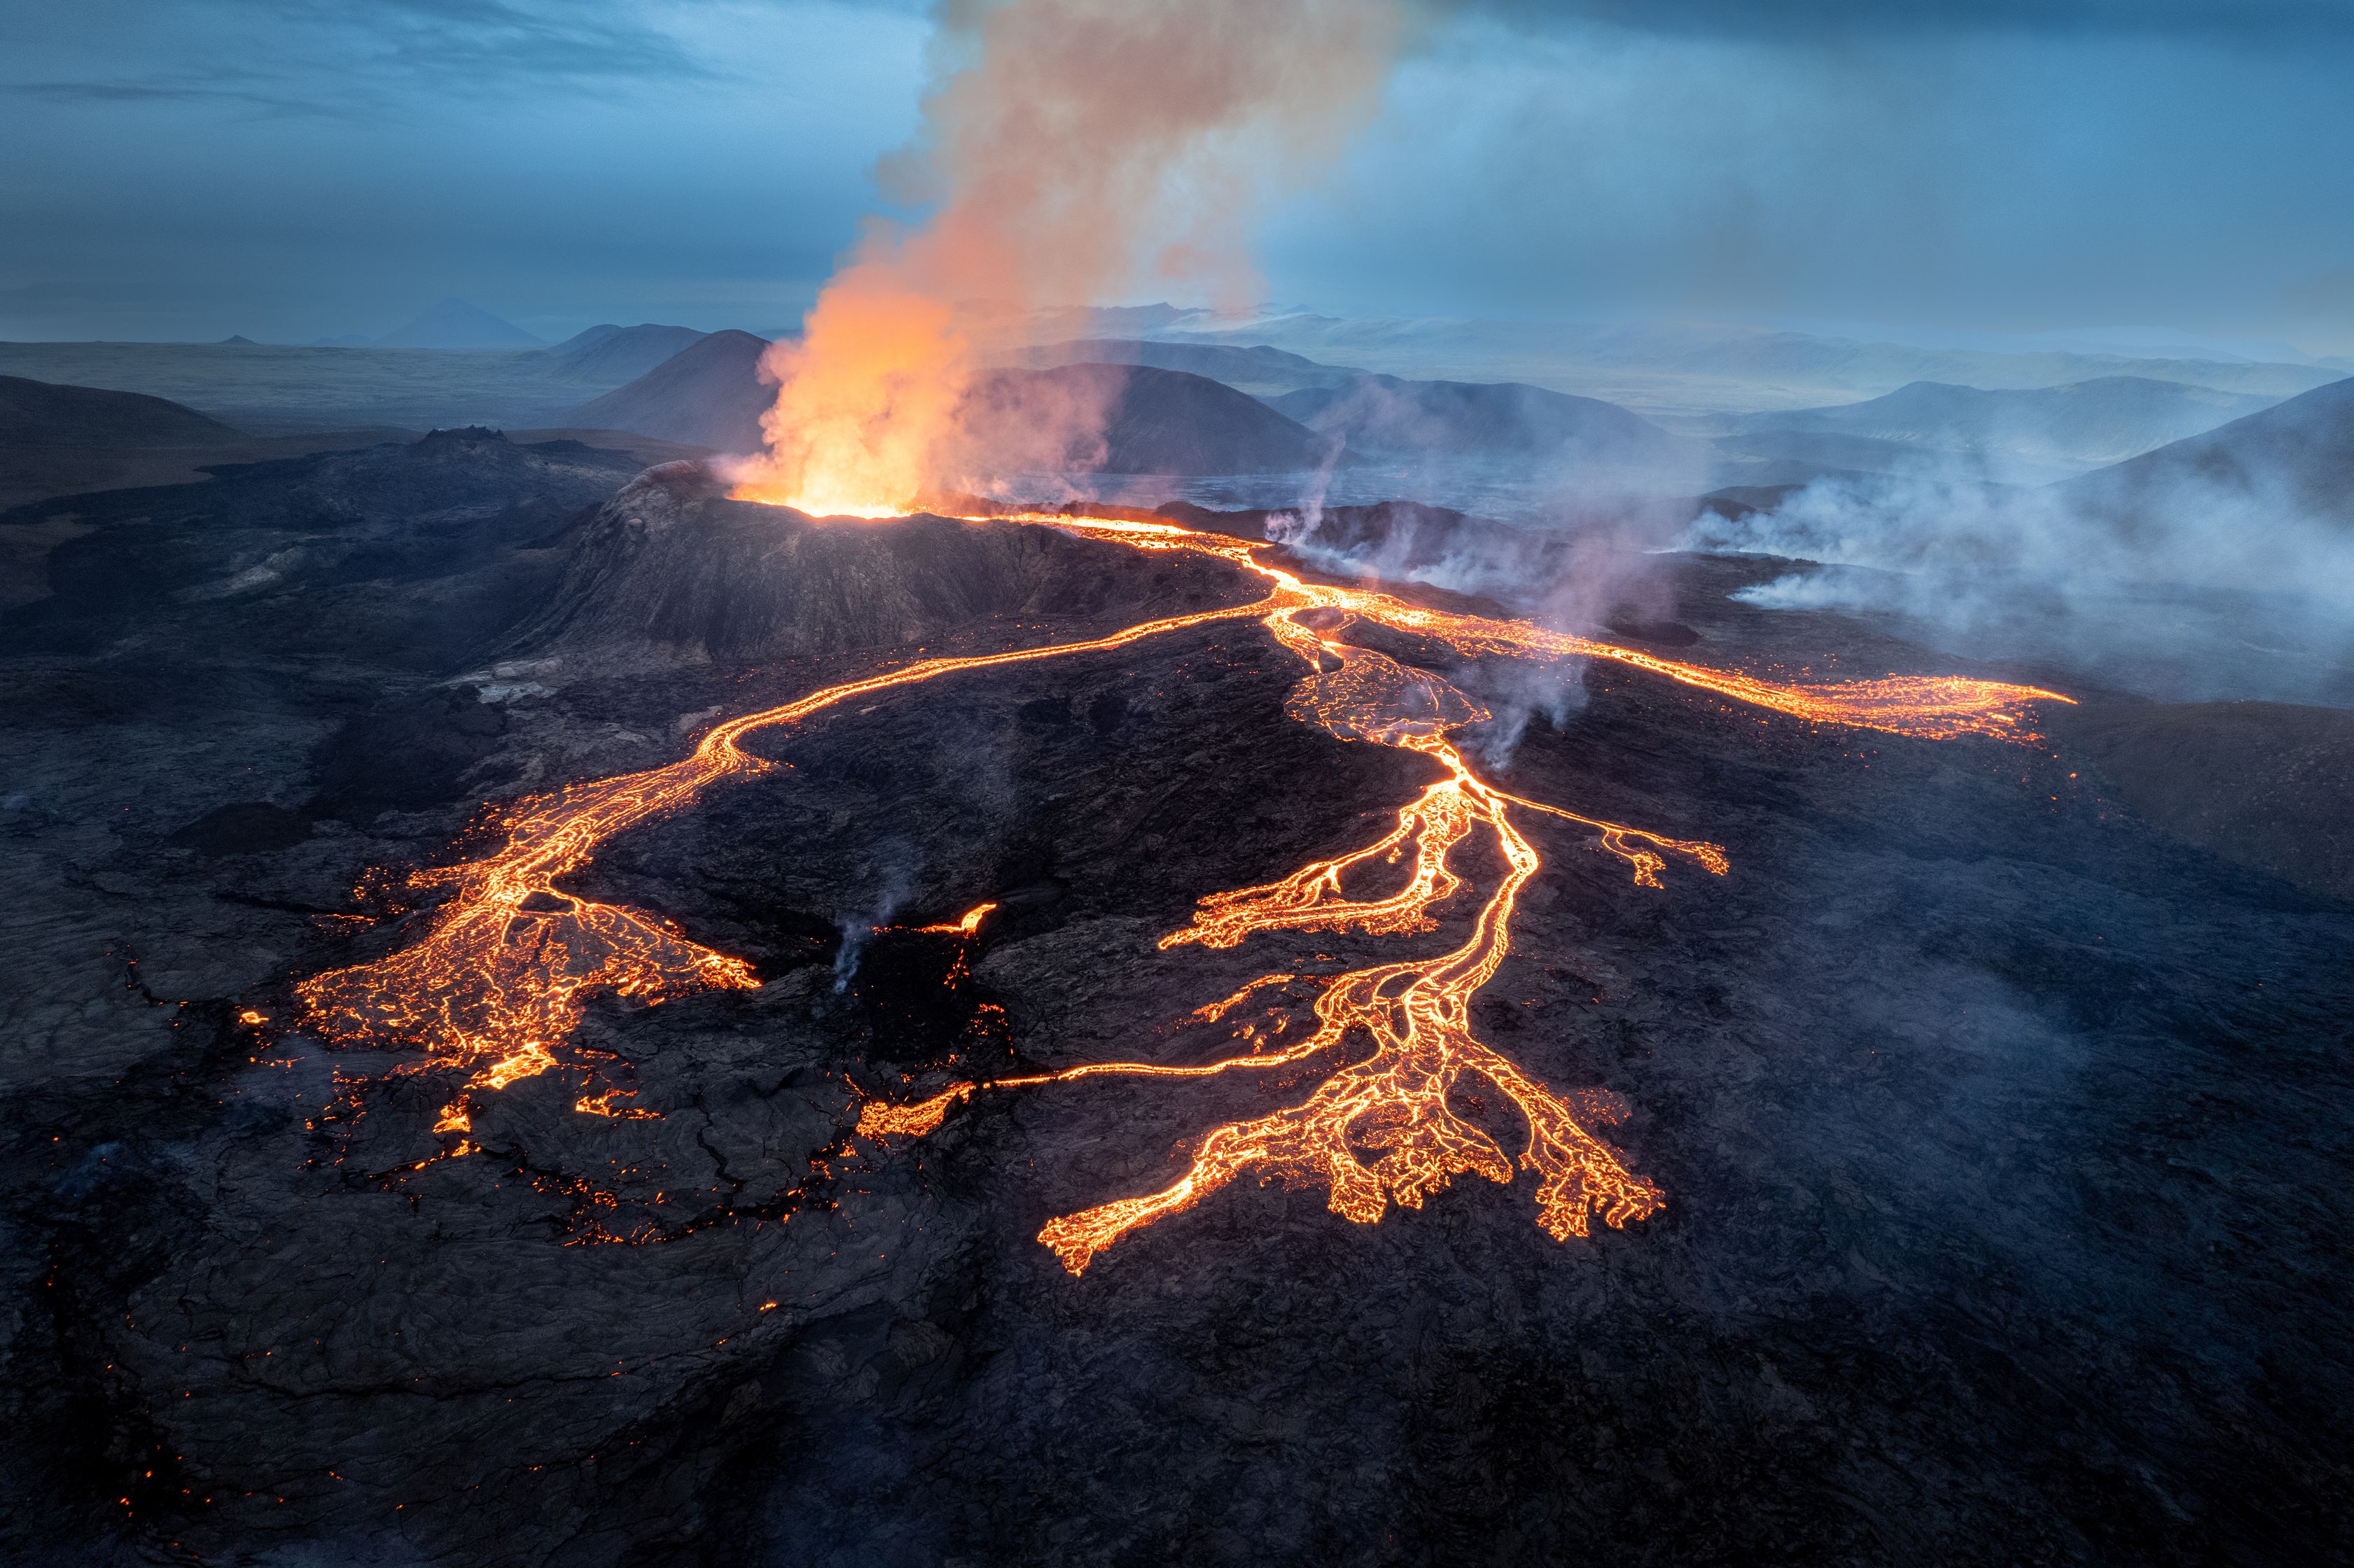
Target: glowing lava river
{"type": "Point", "coordinates": [498, 979]}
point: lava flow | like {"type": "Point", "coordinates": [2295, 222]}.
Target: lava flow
{"type": "Point", "coordinates": [496, 984]}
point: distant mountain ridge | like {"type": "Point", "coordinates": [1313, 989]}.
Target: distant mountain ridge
{"type": "Point", "coordinates": [452, 323]}
{"type": "Point", "coordinates": [2102, 420]}
{"type": "Point", "coordinates": [1085, 417]}
{"type": "Point", "coordinates": [2297, 456]}
{"type": "Point", "coordinates": [1691, 368]}
{"type": "Point", "coordinates": [1391, 414]}
{"type": "Point", "coordinates": [611, 355]}
{"type": "Point", "coordinates": [1257, 369]}
{"type": "Point", "coordinates": [709, 394]}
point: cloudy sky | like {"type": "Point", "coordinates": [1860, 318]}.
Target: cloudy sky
{"type": "Point", "coordinates": [296, 168]}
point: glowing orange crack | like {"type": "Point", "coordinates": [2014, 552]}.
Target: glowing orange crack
{"type": "Point", "coordinates": [965, 926]}
{"type": "Point", "coordinates": [1417, 1014]}
{"type": "Point", "coordinates": [501, 974]}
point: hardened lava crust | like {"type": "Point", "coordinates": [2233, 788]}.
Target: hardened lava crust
{"type": "Point", "coordinates": [1985, 1185]}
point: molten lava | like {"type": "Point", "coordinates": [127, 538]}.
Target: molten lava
{"type": "Point", "coordinates": [497, 983]}
{"type": "Point", "coordinates": [964, 926]}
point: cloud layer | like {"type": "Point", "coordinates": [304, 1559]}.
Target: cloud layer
{"type": "Point", "coordinates": [300, 167]}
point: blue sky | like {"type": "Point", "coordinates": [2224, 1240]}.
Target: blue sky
{"type": "Point", "coordinates": [295, 168]}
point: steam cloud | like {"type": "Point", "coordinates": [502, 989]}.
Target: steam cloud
{"type": "Point", "coordinates": [2193, 588]}
{"type": "Point", "coordinates": [1073, 147]}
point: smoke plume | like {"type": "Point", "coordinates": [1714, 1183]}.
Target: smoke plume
{"type": "Point", "coordinates": [1073, 148]}
{"type": "Point", "coordinates": [2199, 583]}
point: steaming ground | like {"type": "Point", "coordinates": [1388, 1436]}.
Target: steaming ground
{"type": "Point", "coordinates": [2216, 567]}
{"type": "Point", "coordinates": [2002, 1132]}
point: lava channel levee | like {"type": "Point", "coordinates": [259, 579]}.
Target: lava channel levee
{"type": "Point", "coordinates": [493, 988]}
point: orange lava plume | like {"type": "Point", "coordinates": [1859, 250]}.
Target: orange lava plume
{"type": "Point", "coordinates": [496, 984]}
{"type": "Point", "coordinates": [1083, 145]}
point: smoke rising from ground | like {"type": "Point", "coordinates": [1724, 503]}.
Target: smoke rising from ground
{"type": "Point", "coordinates": [1072, 148]}
{"type": "Point", "coordinates": [1588, 577]}
{"type": "Point", "coordinates": [2195, 583]}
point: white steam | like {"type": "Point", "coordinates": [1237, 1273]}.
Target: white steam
{"type": "Point", "coordinates": [2228, 584]}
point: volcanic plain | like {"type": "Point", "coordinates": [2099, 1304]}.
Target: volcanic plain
{"type": "Point", "coordinates": [1997, 1115]}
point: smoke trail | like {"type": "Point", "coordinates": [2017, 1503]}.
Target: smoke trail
{"type": "Point", "coordinates": [1073, 147]}
{"type": "Point", "coordinates": [898, 859]}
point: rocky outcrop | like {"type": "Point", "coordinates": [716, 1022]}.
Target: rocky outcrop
{"type": "Point", "coordinates": [670, 568]}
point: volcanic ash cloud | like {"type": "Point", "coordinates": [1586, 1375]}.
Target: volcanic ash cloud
{"type": "Point", "coordinates": [1072, 148]}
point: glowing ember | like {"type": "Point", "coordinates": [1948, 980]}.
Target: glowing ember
{"type": "Point", "coordinates": [964, 926]}
{"type": "Point", "coordinates": [496, 984]}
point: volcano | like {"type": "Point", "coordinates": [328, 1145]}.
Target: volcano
{"type": "Point", "coordinates": [1934, 1122]}
{"type": "Point", "coordinates": [670, 569]}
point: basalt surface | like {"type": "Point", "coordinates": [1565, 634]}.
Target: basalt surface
{"type": "Point", "coordinates": [2003, 1138]}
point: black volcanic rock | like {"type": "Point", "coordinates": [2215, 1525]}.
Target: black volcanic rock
{"type": "Point", "coordinates": [670, 568]}
{"type": "Point", "coordinates": [410, 554]}
{"type": "Point", "coordinates": [2265, 785]}
{"type": "Point", "coordinates": [1389, 414]}
{"type": "Point", "coordinates": [708, 394]}
{"type": "Point", "coordinates": [2003, 1137]}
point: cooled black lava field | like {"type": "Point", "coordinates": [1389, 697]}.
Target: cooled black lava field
{"type": "Point", "coordinates": [2003, 1137]}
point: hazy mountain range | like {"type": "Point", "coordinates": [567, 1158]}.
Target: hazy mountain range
{"type": "Point", "coordinates": [1701, 369]}
{"type": "Point", "coordinates": [453, 323]}
{"type": "Point", "coordinates": [679, 385]}
{"type": "Point", "coordinates": [2295, 460]}
{"type": "Point", "coordinates": [2015, 434]}
{"type": "Point", "coordinates": [1391, 414]}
